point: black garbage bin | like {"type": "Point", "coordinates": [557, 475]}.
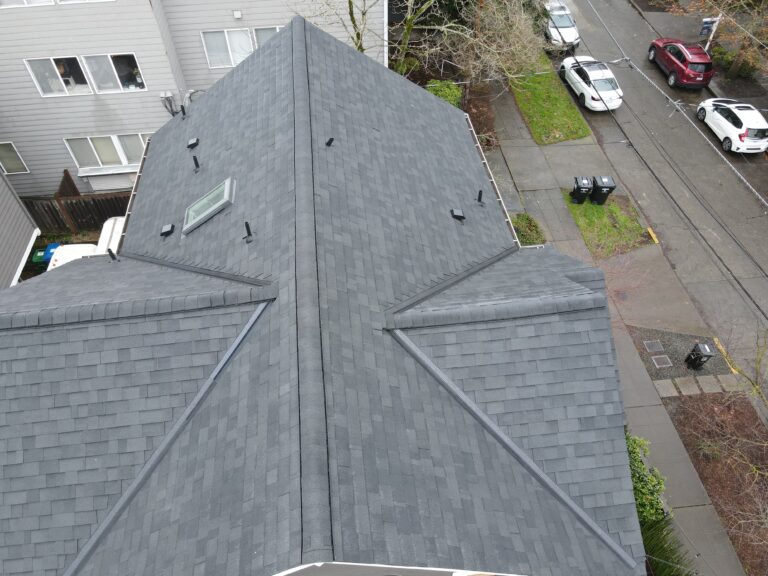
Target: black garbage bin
{"type": "Point", "coordinates": [602, 186]}
{"type": "Point", "coordinates": [699, 356]}
{"type": "Point", "coordinates": [582, 186]}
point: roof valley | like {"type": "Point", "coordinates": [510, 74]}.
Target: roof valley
{"type": "Point", "coordinates": [317, 539]}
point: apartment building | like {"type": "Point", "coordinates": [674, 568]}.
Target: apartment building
{"type": "Point", "coordinates": [86, 82]}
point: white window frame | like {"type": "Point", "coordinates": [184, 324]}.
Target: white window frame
{"type": "Point", "coordinates": [66, 92]}
{"type": "Point", "coordinates": [229, 48]}
{"type": "Point", "coordinates": [54, 2]}
{"type": "Point", "coordinates": [25, 5]}
{"type": "Point", "coordinates": [121, 168]}
{"type": "Point", "coordinates": [256, 38]}
{"type": "Point", "coordinates": [26, 168]}
{"type": "Point", "coordinates": [121, 90]}
{"type": "Point", "coordinates": [227, 200]}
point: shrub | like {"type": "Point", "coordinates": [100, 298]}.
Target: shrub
{"type": "Point", "coordinates": [647, 482]}
{"type": "Point", "coordinates": [724, 58]}
{"type": "Point", "coordinates": [664, 551]}
{"type": "Point", "coordinates": [528, 230]}
{"type": "Point", "coordinates": [446, 90]}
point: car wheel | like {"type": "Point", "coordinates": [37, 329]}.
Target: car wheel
{"type": "Point", "coordinates": [651, 54]}
{"type": "Point", "coordinates": [701, 114]}
{"type": "Point", "coordinates": [672, 80]}
{"type": "Point", "coordinates": [582, 100]}
{"type": "Point", "coordinates": [727, 144]}
{"type": "Point", "coordinates": [561, 72]}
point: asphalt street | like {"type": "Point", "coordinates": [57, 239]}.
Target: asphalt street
{"type": "Point", "coordinates": [713, 228]}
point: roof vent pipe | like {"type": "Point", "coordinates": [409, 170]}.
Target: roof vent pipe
{"type": "Point", "coordinates": [329, 142]}
{"type": "Point", "coordinates": [480, 198]}
{"type": "Point", "coordinates": [197, 164]}
{"type": "Point", "coordinates": [248, 236]}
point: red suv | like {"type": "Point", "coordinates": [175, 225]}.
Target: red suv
{"type": "Point", "coordinates": [685, 64]}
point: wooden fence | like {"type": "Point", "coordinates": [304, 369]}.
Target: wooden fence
{"type": "Point", "coordinates": [69, 211]}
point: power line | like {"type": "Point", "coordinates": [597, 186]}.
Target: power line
{"type": "Point", "coordinates": [684, 178]}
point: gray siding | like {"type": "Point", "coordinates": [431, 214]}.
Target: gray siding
{"type": "Point", "coordinates": [164, 35]}
{"type": "Point", "coordinates": [38, 125]}
{"type": "Point", "coordinates": [16, 229]}
{"type": "Point", "coordinates": [187, 18]}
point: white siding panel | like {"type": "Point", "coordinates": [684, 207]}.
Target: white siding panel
{"type": "Point", "coordinates": [187, 18]}
{"type": "Point", "coordinates": [39, 125]}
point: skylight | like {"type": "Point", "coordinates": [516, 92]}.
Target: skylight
{"type": "Point", "coordinates": [209, 205]}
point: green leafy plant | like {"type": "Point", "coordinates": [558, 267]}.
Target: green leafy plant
{"type": "Point", "coordinates": [647, 482]}
{"type": "Point", "coordinates": [446, 90]}
{"type": "Point", "coordinates": [528, 230]}
{"type": "Point", "coordinates": [725, 59]}
{"type": "Point", "coordinates": [664, 551]}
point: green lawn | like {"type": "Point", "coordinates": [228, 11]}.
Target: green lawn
{"type": "Point", "coordinates": [548, 108]}
{"type": "Point", "coordinates": [609, 229]}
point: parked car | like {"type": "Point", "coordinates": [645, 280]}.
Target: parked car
{"type": "Point", "coordinates": [593, 82]}
{"type": "Point", "coordinates": [561, 27]}
{"type": "Point", "coordinates": [686, 65]}
{"type": "Point", "coordinates": [739, 126]}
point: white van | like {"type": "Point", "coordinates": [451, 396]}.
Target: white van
{"type": "Point", "coordinates": [108, 239]}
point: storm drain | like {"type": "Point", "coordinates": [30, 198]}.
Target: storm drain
{"type": "Point", "coordinates": [661, 361]}
{"type": "Point", "coordinates": [653, 345]}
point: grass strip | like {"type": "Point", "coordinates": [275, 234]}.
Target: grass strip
{"type": "Point", "coordinates": [547, 107]}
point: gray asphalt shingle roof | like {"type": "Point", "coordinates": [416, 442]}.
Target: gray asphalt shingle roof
{"type": "Point", "coordinates": [233, 441]}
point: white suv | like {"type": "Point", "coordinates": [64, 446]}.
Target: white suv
{"type": "Point", "coordinates": [561, 27]}
{"type": "Point", "coordinates": [739, 126]}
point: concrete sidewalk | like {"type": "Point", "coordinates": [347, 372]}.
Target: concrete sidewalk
{"type": "Point", "coordinates": [634, 283]}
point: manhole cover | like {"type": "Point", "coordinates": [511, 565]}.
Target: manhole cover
{"type": "Point", "coordinates": [661, 361]}
{"type": "Point", "coordinates": [653, 345]}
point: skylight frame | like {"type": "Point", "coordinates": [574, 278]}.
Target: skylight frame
{"type": "Point", "coordinates": [228, 197]}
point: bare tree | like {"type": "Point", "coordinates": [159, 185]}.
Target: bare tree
{"type": "Point", "coordinates": [352, 15]}
{"type": "Point", "coordinates": [744, 27]}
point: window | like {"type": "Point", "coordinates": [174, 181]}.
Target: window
{"type": "Point", "coordinates": [115, 72]}
{"type": "Point", "coordinates": [209, 205]}
{"type": "Point", "coordinates": [107, 151]}
{"type": "Point", "coordinates": [264, 34]}
{"type": "Point", "coordinates": [14, 3]}
{"type": "Point", "coordinates": [227, 48]}
{"type": "Point", "coordinates": [10, 161]}
{"type": "Point", "coordinates": [58, 76]}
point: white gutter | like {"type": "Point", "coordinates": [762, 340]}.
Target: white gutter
{"type": "Point", "coordinates": [35, 234]}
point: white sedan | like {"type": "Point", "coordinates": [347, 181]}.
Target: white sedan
{"type": "Point", "coordinates": [739, 126]}
{"type": "Point", "coordinates": [593, 82]}
{"type": "Point", "coordinates": [561, 27]}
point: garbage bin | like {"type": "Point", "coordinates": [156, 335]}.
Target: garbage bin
{"type": "Point", "coordinates": [699, 356]}
{"type": "Point", "coordinates": [582, 186]}
{"type": "Point", "coordinates": [602, 186]}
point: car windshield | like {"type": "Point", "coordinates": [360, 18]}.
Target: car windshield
{"type": "Point", "coordinates": [562, 20]}
{"type": "Point", "coordinates": [757, 133]}
{"type": "Point", "coordinates": [697, 67]}
{"type": "Point", "coordinates": [605, 84]}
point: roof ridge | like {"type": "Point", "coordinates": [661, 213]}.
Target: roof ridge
{"type": "Point", "coordinates": [502, 310]}
{"type": "Point", "coordinates": [195, 269]}
{"type": "Point", "coordinates": [133, 308]}
{"type": "Point", "coordinates": [513, 449]}
{"type": "Point", "coordinates": [314, 477]}
{"type": "Point", "coordinates": [449, 282]}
